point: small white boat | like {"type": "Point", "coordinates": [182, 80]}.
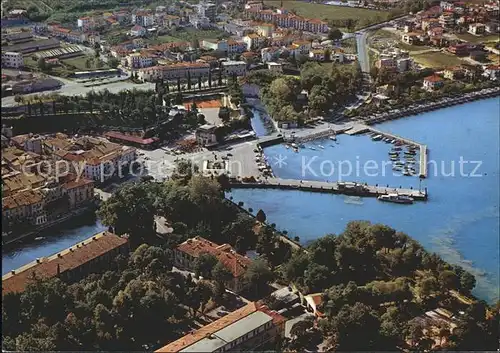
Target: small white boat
{"type": "Point", "coordinates": [294, 145]}
{"type": "Point", "coordinates": [39, 238]}
{"type": "Point", "coordinates": [333, 137]}
{"type": "Point", "coordinates": [287, 147]}
{"type": "Point", "coordinates": [395, 198]}
{"type": "Point", "coordinates": [377, 138]}
{"type": "Point", "coordinates": [321, 147]}
{"type": "Point", "coordinates": [312, 148]}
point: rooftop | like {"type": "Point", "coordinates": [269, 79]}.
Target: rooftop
{"type": "Point", "coordinates": [220, 332]}
{"type": "Point", "coordinates": [66, 260]}
{"type": "Point", "coordinates": [234, 262]}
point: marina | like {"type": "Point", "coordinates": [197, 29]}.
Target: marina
{"type": "Point", "coordinates": [379, 135]}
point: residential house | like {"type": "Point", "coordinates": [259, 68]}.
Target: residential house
{"type": "Point", "coordinates": [252, 327]}
{"type": "Point", "coordinates": [93, 255]}
{"type": "Point", "coordinates": [210, 60]}
{"type": "Point", "coordinates": [460, 49]}
{"type": "Point", "coordinates": [492, 72]}
{"type": "Point", "coordinates": [264, 29]}
{"type": "Point", "coordinates": [454, 73]}
{"type": "Point", "coordinates": [275, 67]}
{"type": "Point", "coordinates": [85, 22]}
{"type": "Point", "coordinates": [447, 20]}
{"type": "Point", "coordinates": [303, 46]}
{"type": "Point", "coordinates": [317, 55]}
{"type": "Point", "coordinates": [270, 54]}
{"type": "Point", "coordinates": [170, 21]}
{"type": "Point", "coordinates": [337, 55]}
{"type": "Point", "coordinates": [185, 256]}
{"type": "Point", "coordinates": [138, 31]}
{"type": "Point", "coordinates": [410, 38]}
{"type": "Point", "coordinates": [313, 303]}
{"type": "Point", "coordinates": [403, 64]}
{"type": "Point", "coordinates": [388, 63]}
{"type": "Point", "coordinates": [433, 82]}
{"type": "Point", "coordinates": [477, 29]}
{"type": "Point", "coordinates": [253, 41]}
{"type": "Point", "coordinates": [230, 68]}
{"type": "Point", "coordinates": [234, 46]}
{"type": "Point", "coordinates": [429, 23]}
{"type": "Point", "coordinates": [435, 32]}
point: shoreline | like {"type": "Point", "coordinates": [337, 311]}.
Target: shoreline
{"type": "Point", "coordinates": [430, 106]}
{"type": "Point", "coordinates": [16, 239]}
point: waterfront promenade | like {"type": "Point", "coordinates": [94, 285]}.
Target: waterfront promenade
{"type": "Point", "coordinates": [352, 189]}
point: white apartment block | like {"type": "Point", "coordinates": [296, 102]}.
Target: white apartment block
{"type": "Point", "coordinates": [12, 60]}
{"type": "Point", "coordinates": [143, 19]}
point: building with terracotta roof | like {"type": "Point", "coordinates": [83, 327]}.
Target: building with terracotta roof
{"type": "Point", "coordinates": [248, 328]}
{"type": "Point", "coordinates": [174, 71]}
{"type": "Point", "coordinates": [433, 82]}
{"type": "Point", "coordinates": [185, 256]}
{"type": "Point", "coordinates": [93, 255]}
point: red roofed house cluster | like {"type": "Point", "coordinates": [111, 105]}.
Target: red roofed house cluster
{"type": "Point", "coordinates": [185, 256]}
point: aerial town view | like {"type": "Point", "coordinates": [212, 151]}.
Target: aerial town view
{"type": "Point", "coordinates": [250, 175]}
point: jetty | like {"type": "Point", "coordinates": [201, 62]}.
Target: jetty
{"type": "Point", "coordinates": [362, 128]}
{"type": "Point", "coordinates": [345, 188]}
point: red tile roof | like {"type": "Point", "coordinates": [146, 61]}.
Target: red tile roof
{"type": "Point", "coordinates": [128, 138]}
{"type": "Point", "coordinates": [65, 260]}
{"type": "Point", "coordinates": [433, 78]}
{"type": "Point", "coordinates": [237, 264]}
{"type": "Point", "coordinates": [218, 325]}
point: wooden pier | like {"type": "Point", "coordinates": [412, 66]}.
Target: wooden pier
{"type": "Point", "coordinates": [345, 188]}
{"type": "Point", "coordinates": [362, 128]}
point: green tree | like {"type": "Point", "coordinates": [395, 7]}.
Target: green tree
{"type": "Point", "coordinates": [260, 216]}
{"type": "Point", "coordinates": [257, 277]}
{"type": "Point", "coordinates": [42, 65]}
{"type": "Point", "coordinates": [130, 210]}
{"type": "Point", "coordinates": [204, 264]}
{"type": "Point", "coordinates": [335, 34]}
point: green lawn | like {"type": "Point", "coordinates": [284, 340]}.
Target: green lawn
{"type": "Point", "coordinates": [330, 12]}
{"type": "Point", "coordinates": [163, 39]}
{"type": "Point", "coordinates": [350, 46]}
{"type": "Point", "coordinates": [437, 60]}
{"type": "Point", "coordinates": [189, 33]}
{"type": "Point", "coordinates": [475, 39]}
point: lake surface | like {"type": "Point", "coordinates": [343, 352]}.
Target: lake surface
{"type": "Point", "coordinates": [460, 221]}
{"type": "Point", "coordinates": [53, 241]}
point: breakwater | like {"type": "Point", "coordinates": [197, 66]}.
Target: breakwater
{"type": "Point", "coordinates": [345, 188]}
{"type": "Point", "coordinates": [430, 106]}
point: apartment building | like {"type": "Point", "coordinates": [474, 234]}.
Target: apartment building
{"type": "Point", "coordinates": [143, 18]}
{"type": "Point", "coordinates": [230, 68]}
{"type": "Point", "coordinates": [12, 60]}
{"type": "Point", "coordinates": [138, 31]}
{"type": "Point", "coordinates": [185, 256]}
{"type": "Point", "coordinates": [93, 255]}
{"type": "Point", "coordinates": [207, 9]}
{"type": "Point", "coordinates": [174, 71]}
{"type": "Point", "coordinates": [286, 20]}
{"type": "Point", "coordinates": [247, 328]}
{"type": "Point", "coordinates": [140, 60]}
{"type": "Point", "coordinates": [253, 41]}
{"type": "Point", "coordinates": [24, 206]}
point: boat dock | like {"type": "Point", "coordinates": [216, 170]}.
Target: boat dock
{"type": "Point", "coordinates": [345, 188]}
{"type": "Point", "coordinates": [362, 128]}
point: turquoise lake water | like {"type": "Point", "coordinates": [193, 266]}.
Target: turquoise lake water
{"type": "Point", "coordinates": [460, 221]}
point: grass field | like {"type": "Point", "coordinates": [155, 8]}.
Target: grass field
{"type": "Point", "coordinates": [437, 60]}
{"type": "Point", "coordinates": [475, 39]}
{"type": "Point", "coordinates": [331, 12]}
{"type": "Point", "coordinates": [79, 63]}
{"type": "Point", "coordinates": [163, 39]}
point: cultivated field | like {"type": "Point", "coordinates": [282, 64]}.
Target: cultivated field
{"type": "Point", "coordinates": [331, 12]}
{"type": "Point", "coordinates": [437, 59]}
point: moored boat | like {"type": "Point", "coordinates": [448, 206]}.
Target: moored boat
{"type": "Point", "coordinates": [377, 138]}
{"type": "Point", "coordinates": [395, 198]}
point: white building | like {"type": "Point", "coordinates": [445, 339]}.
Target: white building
{"type": "Point", "coordinates": [403, 64]}
{"type": "Point", "coordinates": [207, 9]}
{"type": "Point", "coordinates": [253, 41]}
{"type": "Point", "coordinates": [143, 18]}
{"type": "Point", "coordinates": [205, 135]}
{"type": "Point", "coordinates": [230, 68]}
{"type": "Point", "coordinates": [138, 31]}
{"type": "Point", "coordinates": [274, 67]}
{"type": "Point", "coordinates": [12, 60]}
{"type": "Point", "coordinates": [139, 60]}
{"type": "Point", "coordinates": [83, 22]}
